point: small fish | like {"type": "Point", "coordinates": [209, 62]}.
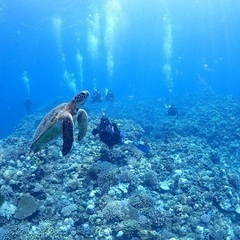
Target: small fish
{"type": "Point", "coordinates": [143, 147]}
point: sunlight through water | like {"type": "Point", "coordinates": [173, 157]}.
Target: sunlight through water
{"type": "Point", "coordinates": [113, 10]}
{"type": "Point", "coordinates": [167, 52]}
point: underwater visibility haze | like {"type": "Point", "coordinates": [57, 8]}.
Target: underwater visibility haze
{"type": "Point", "coordinates": [159, 158]}
{"type": "Point", "coordinates": [54, 49]}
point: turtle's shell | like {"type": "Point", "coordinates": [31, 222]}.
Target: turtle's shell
{"type": "Point", "coordinates": [50, 127]}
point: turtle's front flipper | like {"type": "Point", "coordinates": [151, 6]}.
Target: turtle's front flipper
{"type": "Point", "coordinates": [82, 119]}
{"type": "Point", "coordinates": [67, 132]}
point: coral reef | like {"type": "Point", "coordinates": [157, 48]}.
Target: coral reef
{"type": "Point", "coordinates": [187, 187]}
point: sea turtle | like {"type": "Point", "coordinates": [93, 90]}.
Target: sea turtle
{"type": "Point", "coordinates": [59, 121]}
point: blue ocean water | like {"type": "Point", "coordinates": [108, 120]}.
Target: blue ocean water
{"type": "Point", "coordinates": [160, 48]}
{"type": "Point", "coordinates": [164, 164]}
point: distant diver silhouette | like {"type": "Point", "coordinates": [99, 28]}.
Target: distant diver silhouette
{"type": "Point", "coordinates": [28, 105]}
{"type": "Point", "coordinates": [172, 110]}
{"type": "Point", "coordinates": [109, 96]}
{"type": "Point", "coordinates": [96, 97]}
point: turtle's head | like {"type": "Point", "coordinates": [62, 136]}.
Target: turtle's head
{"type": "Point", "coordinates": [80, 99]}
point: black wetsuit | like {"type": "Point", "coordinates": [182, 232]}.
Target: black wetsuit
{"type": "Point", "coordinates": [108, 132]}
{"type": "Point", "coordinates": [109, 97]}
{"type": "Point", "coordinates": [96, 97]}
{"type": "Point", "coordinates": [28, 105]}
{"type": "Point", "coordinates": [172, 111]}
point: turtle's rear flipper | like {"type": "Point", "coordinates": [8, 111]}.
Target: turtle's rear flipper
{"type": "Point", "coordinates": [67, 132]}
{"type": "Point", "coordinates": [82, 120]}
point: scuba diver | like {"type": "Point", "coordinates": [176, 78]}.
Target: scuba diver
{"type": "Point", "coordinates": [96, 97]}
{"type": "Point", "coordinates": [28, 105]}
{"type": "Point", "coordinates": [172, 110]}
{"type": "Point", "coordinates": [109, 96]}
{"type": "Point", "coordinates": [110, 135]}
{"type": "Point", "coordinates": [109, 132]}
